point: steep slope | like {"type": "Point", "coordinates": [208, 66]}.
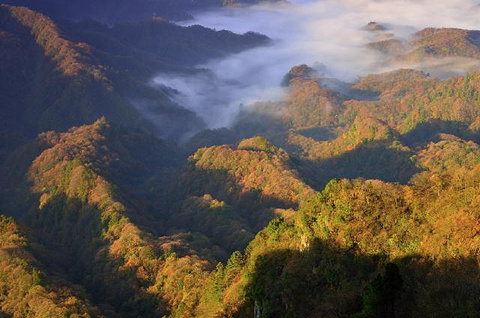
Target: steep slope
{"type": "Point", "coordinates": [86, 207]}
{"type": "Point", "coordinates": [182, 45]}
{"type": "Point", "coordinates": [335, 257]}
{"type": "Point", "coordinates": [63, 82]}
{"type": "Point", "coordinates": [56, 76]}
{"type": "Point", "coordinates": [30, 291]}
{"type": "Point", "coordinates": [128, 158]}
{"type": "Point", "coordinates": [119, 218]}
{"type": "Point", "coordinates": [443, 52]}
{"type": "Point", "coordinates": [233, 193]}
{"type": "Point", "coordinates": [363, 248]}
{"type": "Point", "coordinates": [87, 204]}
{"type": "Point", "coordinates": [369, 129]}
{"type": "Point", "coordinates": [447, 42]}
{"type": "Point", "coordinates": [254, 167]}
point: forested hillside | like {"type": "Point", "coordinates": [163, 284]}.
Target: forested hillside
{"type": "Point", "coordinates": [28, 287]}
{"type": "Point", "coordinates": [336, 199]}
{"type": "Point", "coordinates": [57, 76]}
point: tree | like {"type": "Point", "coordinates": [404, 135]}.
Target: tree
{"type": "Point", "coordinates": [380, 295]}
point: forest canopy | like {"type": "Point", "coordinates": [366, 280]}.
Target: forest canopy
{"type": "Point", "coordinates": [119, 198]}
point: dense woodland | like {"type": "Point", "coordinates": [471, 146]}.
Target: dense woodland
{"type": "Point", "coordinates": [357, 202]}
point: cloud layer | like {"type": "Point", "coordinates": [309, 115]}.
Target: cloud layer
{"type": "Point", "coordinates": [330, 32]}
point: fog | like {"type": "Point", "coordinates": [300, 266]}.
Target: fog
{"type": "Point", "coordinates": [329, 32]}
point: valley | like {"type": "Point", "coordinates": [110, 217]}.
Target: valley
{"type": "Point", "coordinates": [272, 159]}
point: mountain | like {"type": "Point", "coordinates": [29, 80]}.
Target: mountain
{"type": "Point", "coordinates": [447, 42]}
{"type": "Point", "coordinates": [58, 76]}
{"type": "Point", "coordinates": [28, 288]}
{"type": "Point", "coordinates": [439, 51]}
{"type": "Point", "coordinates": [338, 199]}
{"type": "Point", "coordinates": [428, 42]}
{"type": "Point", "coordinates": [93, 220]}
{"type": "Point", "coordinates": [348, 244]}
{"type": "Point", "coordinates": [233, 193]}
{"type": "Point", "coordinates": [110, 12]}
{"type": "Point", "coordinates": [88, 193]}
{"type": "Point", "coordinates": [365, 129]}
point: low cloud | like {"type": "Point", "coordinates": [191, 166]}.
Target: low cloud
{"type": "Point", "coordinates": [325, 32]}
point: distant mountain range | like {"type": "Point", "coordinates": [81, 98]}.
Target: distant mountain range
{"type": "Point", "coordinates": [113, 11]}
{"type": "Point", "coordinates": [341, 200]}
{"type": "Point", "coordinates": [58, 76]}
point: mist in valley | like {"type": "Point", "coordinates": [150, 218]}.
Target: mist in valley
{"type": "Point", "coordinates": [329, 35]}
